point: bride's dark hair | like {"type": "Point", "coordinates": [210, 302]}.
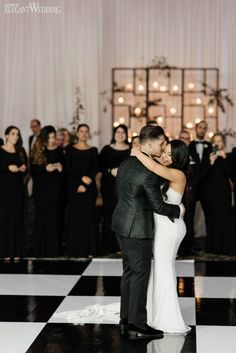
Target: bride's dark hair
{"type": "Point", "coordinates": [180, 160]}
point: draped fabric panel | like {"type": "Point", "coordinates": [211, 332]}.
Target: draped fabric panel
{"type": "Point", "coordinates": [44, 57]}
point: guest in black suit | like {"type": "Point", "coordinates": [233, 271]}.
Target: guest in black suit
{"type": "Point", "coordinates": [199, 152]}
{"type": "Point", "coordinates": [1, 142]}
{"type": "Point", "coordinates": [35, 126]}
{"type": "Point", "coordinates": [139, 195]}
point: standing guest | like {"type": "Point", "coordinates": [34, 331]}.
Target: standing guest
{"type": "Point", "coordinates": [13, 165]}
{"type": "Point", "coordinates": [184, 136]}
{"type": "Point", "coordinates": [110, 158]}
{"type": "Point", "coordinates": [81, 162]}
{"type": "Point", "coordinates": [186, 247]}
{"type": "Point", "coordinates": [199, 153]}
{"type": "Point", "coordinates": [68, 138]}
{"type": "Point", "coordinates": [46, 168]}
{"type": "Point", "coordinates": [59, 138]}
{"type": "Point", "coordinates": [35, 126]}
{"type": "Point", "coordinates": [135, 142]}
{"type": "Point", "coordinates": [217, 189]}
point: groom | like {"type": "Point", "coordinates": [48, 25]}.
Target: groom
{"type": "Point", "coordinates": [139, 195]}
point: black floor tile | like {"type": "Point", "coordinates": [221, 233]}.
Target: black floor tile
{"type": "Point", "coordinates": [65, 338]}
{"type": "Point", "coordinates": [110, 286]}
{"type": "Point", "coordinates": [216, 312]}
{"type": "Point", "coordinates": [62, 267]}
{"type": "Point", "coordinates": [215, 268]}
{"type": "Point", "coordinates": [97, 285]}
{"type": "Point", "coordinates": [23, 308]}
{"type": "Point", "coordinates": [185, 286]}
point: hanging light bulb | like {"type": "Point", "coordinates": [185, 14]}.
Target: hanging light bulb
{"type": "Point", "coordinates": [211, 110]}
{"type": "Point", "coordinates": [189, 125]}
{"type": "Point", "coordinates": [210, 134]}
{"type": "Point", "coordinates": [122, 120]}
{"type": "Point", "coordinates": [163, 88]}
{"type": "Point", "coordinates": [137, 111]}
{"type": "Point", "coordinates": [135, 134]}
{"type": "Point", "coordinates": [191, 85]}
{"type": "Point", "coordinates": [141, 87]}
{"type": "Point", "coordinates": [129, 86]}
{"type": "Point", "coordinates": [121, 100]}
{"type": "Point", "coordinates": [197, 121]}
{"type": "Point", "coordinates": [116, 123]}
{"type": "Point", "coordinates": [155, 84]}
{"type": "Point", "coordinates": [175, 88]}
{"type": "Point", "coordinates": [198, 101]}
{"type": "Point", "coordinates": [173, 110]}
{"type": "Point", "coordinates": [159, 120]}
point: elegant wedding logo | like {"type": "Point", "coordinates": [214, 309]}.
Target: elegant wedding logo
{"type": "Point", "coordinates": [32, 7]}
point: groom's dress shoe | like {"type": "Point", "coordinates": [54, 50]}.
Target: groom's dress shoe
{"type": "Point", "coordinates": [142, 331]}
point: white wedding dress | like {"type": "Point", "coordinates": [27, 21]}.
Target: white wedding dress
{"type": "Point", "coordinates": [163, 308]}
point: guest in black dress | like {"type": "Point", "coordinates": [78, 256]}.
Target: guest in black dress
{"type": "Point", "coordinates": [46, 167]}
{"type": "Point", "coordinates": [13, 165]}
{"type": "Point", "coordinates": [110, 158]}
{"type": "Point", "coordinates": [219, 219]}
{"type": "Point", "coordinates": [82, 167]}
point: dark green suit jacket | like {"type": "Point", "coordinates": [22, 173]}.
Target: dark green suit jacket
{"type": "Point", "coordinates": [139, 195]}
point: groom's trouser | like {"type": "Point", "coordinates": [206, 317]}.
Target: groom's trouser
{"type": "Point", "coordinates": [137, 254]}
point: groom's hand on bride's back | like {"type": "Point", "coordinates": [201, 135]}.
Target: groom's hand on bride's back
{"type": "Point", "coordinates": [182, 212]}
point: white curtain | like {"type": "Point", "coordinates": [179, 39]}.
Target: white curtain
{"type": "Point", "coordinates": [44, 56]}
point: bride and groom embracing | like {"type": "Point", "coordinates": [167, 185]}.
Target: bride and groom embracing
{"type": "Point", "coordinates": [148, 220]}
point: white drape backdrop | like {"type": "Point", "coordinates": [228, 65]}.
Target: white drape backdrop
{"type": "Point", "coordinates": [44, 56]}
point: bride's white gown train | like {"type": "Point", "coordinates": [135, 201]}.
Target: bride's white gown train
{"type": "Point", "coordinates": [163, 308]}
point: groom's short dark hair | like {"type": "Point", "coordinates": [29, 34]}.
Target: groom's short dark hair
{"type": "Point", "coordinates": [150, 132]}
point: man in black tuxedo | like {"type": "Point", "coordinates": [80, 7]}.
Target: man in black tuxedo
{"type": "Point", "coordinates": [199, 153]}
{"type": "Point", "coordinates": [139, 195]}
{"type": "Point", "coordinates": [35, 126]}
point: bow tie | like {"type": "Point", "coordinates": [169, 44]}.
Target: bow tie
{"type": "Point", "coordinates": [200, 142]}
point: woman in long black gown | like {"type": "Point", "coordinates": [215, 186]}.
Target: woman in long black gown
{"type": "Point", "coordinates": [82, 167]}
{"type": "Point", "coordinates": [13, 165]}
{"type": "Point", "coordinates": [46, 167]}
{"type": "Point", "coordinates": [219, 219]}
{"type": "Point", "coordinates": [111, 157]}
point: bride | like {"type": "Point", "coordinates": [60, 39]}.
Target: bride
{"type": "Point", "coordinates": [163, 308]}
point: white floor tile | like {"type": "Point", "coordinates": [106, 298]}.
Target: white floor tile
{"type": "Point", "coordinates": [215, 287]}
{"type": "Point", "coordinates": [104, 267]}
{"type": "Point", "coordinates": [184, 268]}
{"type": "Point", "coordinates": [17, 337]}
{"type": "Point", "coordinates": [12, 284]}
{"type": "Point", "coordinates": [187, 306]}
{"type": "Point", "coordinates": [216, 339]}
{"type": "Point", "coordinates": [77, 303]}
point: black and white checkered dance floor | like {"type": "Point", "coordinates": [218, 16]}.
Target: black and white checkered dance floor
{"type": "Point", "coordinates": [32, 291]}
